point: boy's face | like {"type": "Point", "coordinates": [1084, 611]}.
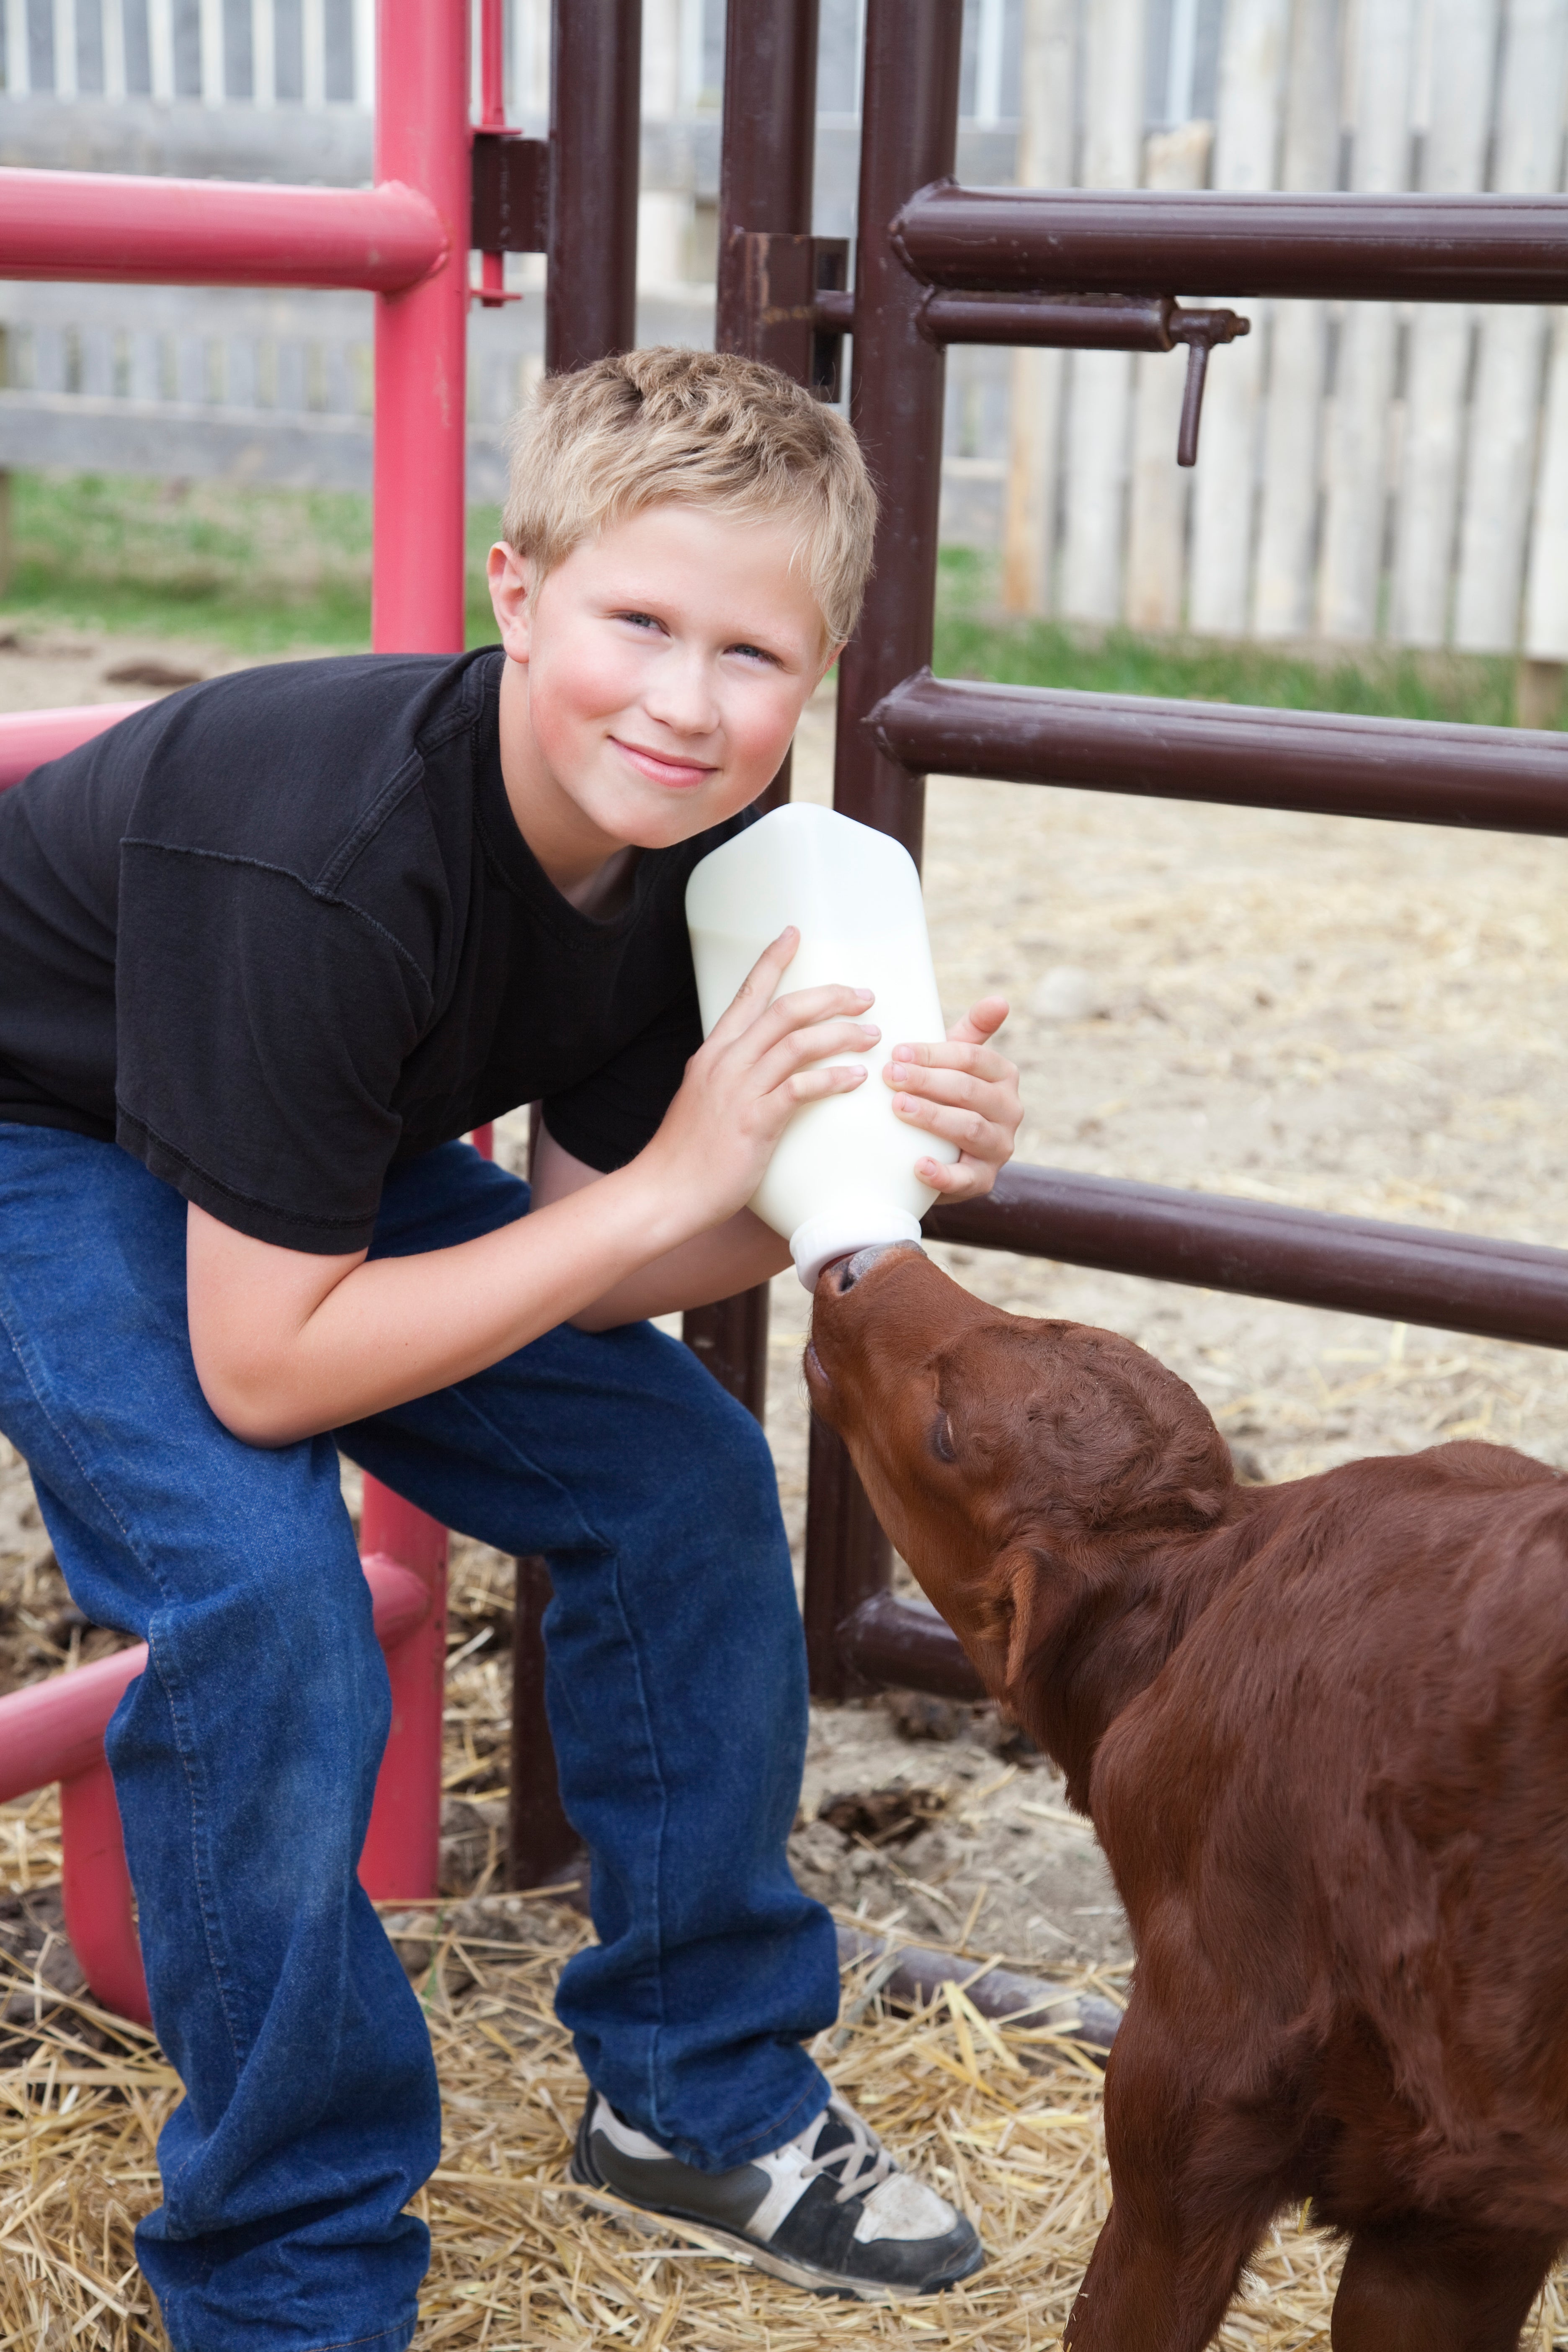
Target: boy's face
{"type": "Point", "coordinates": [663, 667]}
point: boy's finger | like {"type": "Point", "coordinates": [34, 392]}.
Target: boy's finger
{"type": "Point", "coordinates": [976, 1136]}
{"type": "Point", "coordinates": [957, 1180]}
{"type": "Point", "coordinates": [810, 1085]}
{"type": "Point", "coordinates": [980, 1061]}
{"type": "Point", "coordinates": [758, 984]}
{"type": "Point", "coordinates": [981, 1021]}
{"type": "Point", "coordinates": [951, 1086]}
{"type": "Point", "coordinates": [816, 1043]}
{"type": "Point", "coordinates": [803, 1005]}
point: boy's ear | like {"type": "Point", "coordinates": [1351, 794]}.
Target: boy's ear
{"type": "Point", "coordinates": [510, 578]}
{"type": "Point", "coordinates": [828, 658]}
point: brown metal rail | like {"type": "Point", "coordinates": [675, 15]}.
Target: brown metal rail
{"type": "Point", "coordinates": [1395, 249]}
{"type": "Point", "coordinates": [1501, 779]}
{"type": "Point", "coordinates": [590, 309]}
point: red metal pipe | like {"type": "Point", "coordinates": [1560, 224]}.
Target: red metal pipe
{"type": "Point", "coordinates": [113, 227]}
{"type": "Point", "coordinates": [95, 1881]}
{"type": "Point", "coordinates": [1411, 248]}
{"type": "Point", "coordinates": [52, 1730]}
{"type": "Point", "coordinates": [28, 737]}
{"type": "Point", "coordinates": [402, 1847]}
{"type": "Point", "coordinates": [422, 141]}
{"type": "Point", "coordinates": [97, 1895]}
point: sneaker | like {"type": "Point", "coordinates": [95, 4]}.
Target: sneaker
{"type": "Point", "coordinates": [829, 2210]}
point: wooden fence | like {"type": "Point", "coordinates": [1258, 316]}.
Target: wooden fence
{"type": "Point", "coordinates": [1368, 471]}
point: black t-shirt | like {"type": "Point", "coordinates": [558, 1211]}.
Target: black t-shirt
{"type": "Point", "coordinates": [281, 930]}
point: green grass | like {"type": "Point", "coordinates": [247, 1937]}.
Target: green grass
{"type": "Point", "coordinates": [974, 639]}
{"type": "Point", "coordinates": [260, 570]}
{"type": "Point", "coordinates": [268, 571]}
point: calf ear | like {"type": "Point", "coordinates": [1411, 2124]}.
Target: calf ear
{"type": "Point", "coordinates": [1038, 1592]}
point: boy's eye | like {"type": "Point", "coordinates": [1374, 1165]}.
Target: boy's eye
{"type": "Point", "coordinates": [639, 620]}
{"type": "Point", "coordinates": [755, 653]}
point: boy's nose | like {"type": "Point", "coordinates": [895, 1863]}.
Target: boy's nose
{"type": "Point", "coordinates": [681, 696]}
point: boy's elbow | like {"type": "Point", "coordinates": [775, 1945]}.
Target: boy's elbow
{"type": "Point", "coordinates": [257, 1409]}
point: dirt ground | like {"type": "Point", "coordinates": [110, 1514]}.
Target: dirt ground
{"type": "Point", "coordinates": [1346, 1015]}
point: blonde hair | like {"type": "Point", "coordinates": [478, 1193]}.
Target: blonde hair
{"type": "Point", "coordinates": [703, 428]}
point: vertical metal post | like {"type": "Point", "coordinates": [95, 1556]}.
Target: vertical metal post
{"type": "Point", "coordinates": [402, 1852]}
{"type": "Point", "coordinates": [421, 337]}
{"type": "Point", "coordinates": [96, 1894]}
{"type": "Point", "coordinates": [590, 310]}
{"type": "Point", "coordinates": [767, 160]}
{"type": "Point", "coordinates": [540, 1841]}
{"type": "Point", "coordinates": [492, 117]}
{"type": "Point", "coordinates": [766, 172]}
{"type": "Point", "coordinates": [909, 137]}
{"type": "Point", "coordinates": [596, 84]}
{"type": "Point", "coordinates": [416, 606]}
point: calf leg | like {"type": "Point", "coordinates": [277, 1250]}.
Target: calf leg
{"type": "Point", "coordinates": [1194, 2188]}
{"type": "Point", "coordinates": [1419, 2285]}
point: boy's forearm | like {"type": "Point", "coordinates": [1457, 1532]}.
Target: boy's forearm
{"type": "Point", "coordinates": [731, 1258]}
{"type": "Point", "coordinates": [392, 1329]}
{"type": "Point", "coordinates": [728, 1257]}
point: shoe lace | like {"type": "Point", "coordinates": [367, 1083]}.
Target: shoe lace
{"type": "Point", "coordinates": [861, 2160]}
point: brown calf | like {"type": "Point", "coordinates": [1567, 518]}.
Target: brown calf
{"type": "Point", "coordinates": [1321, 1729]}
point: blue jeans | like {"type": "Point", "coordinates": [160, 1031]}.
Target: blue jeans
{"type": "Point", "coordinates": [245, 1757]}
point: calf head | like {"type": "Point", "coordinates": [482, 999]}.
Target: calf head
{"type": "Point", "coordinates": [1037, 1476]}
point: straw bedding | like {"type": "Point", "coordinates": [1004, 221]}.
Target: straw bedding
{"type": "Point", "coordinates": [1007, 2120]}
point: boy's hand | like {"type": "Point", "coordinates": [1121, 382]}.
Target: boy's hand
{"type": "Point", "coordinates": [744, 1082]}
{"type": "Point", "coordinates": [967, 1092]}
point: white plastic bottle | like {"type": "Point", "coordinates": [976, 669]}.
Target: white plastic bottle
{"type": "Point", "coordinates": [843, 1173]}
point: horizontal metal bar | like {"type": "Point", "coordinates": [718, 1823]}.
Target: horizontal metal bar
{"type": "Point", "coordinates": [1357, 1265]}
{"type": "Point", "coordinates": [28, 737]}
{"type": "Point", "coordinates": [103, 225]}
{"type": "Point", "coordinates": [1501, 779]}
{"type": "Point", "coordinates": [1086, 322]}
{"type": "Point", "coordinates": [53, 1730]}
{"type": "Point", "coordinates": [923, 1969]}
{"type": "Point", "coordinates": [1412, 248]}
{"type": "Point", "coordinates": [906, 1643]}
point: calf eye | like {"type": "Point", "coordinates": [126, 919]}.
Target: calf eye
{"type": "Point", "coordinates": [941, 1443]}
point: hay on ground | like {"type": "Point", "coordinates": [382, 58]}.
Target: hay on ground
{"type": "Point", "coordinates": [1007, 2121]}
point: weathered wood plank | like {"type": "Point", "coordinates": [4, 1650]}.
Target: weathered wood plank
{"type": "Point", "coordinates": [1283, 593]}
{"type": "Point", "coordinates": [1360, 409]}
{"type": "Point", "coordinates": [1498, 475]}
{"type": "Point", "coordinates": [1035, 427]}
{"type": "Point", "coordinates": [1463, 47]}
{"type": "Point", "coordinates": [1100, 384]}
{"type": "Point", "coordinates": [1247, 156]}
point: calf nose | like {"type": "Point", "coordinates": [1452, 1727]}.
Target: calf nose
{"type": "Point", "coordinates": [850, 1270]}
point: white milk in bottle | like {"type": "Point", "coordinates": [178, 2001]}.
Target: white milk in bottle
{"type": "Point", "coordinates": [843, 1173]}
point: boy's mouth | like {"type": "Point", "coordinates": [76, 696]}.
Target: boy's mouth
{"type": "Point", "coordinates": [676, 774]}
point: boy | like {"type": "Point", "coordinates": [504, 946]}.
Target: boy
{"type": "Point", "coordinates": [267, 951]}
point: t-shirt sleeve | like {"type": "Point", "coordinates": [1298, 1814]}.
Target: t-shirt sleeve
{"type": "Point", "coordinates": [606, 1120]}
{"type": "Point", "coordinates": [261, 1029]}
